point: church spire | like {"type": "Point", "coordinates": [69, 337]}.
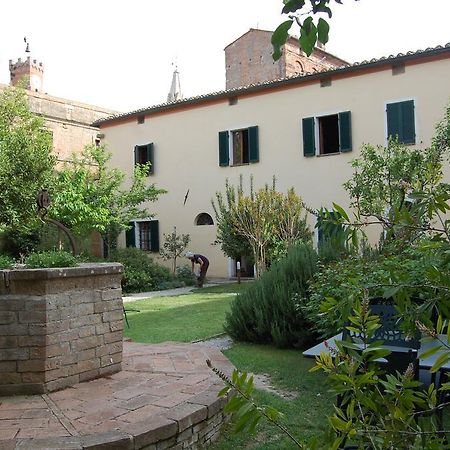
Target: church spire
{"type": "Point", "coordinates": [175, 89]}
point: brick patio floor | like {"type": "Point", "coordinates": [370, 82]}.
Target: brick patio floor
{"type": "Point", "coordinates": [162, 391]}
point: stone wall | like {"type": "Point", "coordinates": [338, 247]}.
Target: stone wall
{"type": "Point", "coordinates": [59, 327]}
{"type": "Point", "coordinates": [69, 121]}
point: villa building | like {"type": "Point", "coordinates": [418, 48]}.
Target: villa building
{"type": "Point", "coordinates": [304, 130]}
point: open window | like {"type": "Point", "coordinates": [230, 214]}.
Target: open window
{"type": "Point", "coordinates": [144, 154]}
{"type": "Point", "coordinates": [324, 135]}
{"type": "Point", "coordinates": [237, 147]}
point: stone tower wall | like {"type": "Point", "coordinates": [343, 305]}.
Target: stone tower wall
{"type": "Point", "coordinates": [248, 60]}
{"type": "Point", "coordinates": [25, 70]}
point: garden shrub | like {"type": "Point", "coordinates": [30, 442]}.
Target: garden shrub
{"type": "Point", "coordinates": [50, 259]}
{"type": "Point", "coordinates": [19, 242]}
{"type": "Point", "coordinates": [269, 310]}
{"type": "Point", "coordinates": [337, 285]}
{"type": "Point", "coordinates": [141, 273]}
{"type": "Point", "coordinates": [184, 275]}
{"type": "Point", "coordinates": [173, 284]}
{"type": "Point", "coordinates": [6, 262]}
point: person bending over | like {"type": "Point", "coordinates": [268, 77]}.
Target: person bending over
{"type": "Point", "coordinates": [203, 262]}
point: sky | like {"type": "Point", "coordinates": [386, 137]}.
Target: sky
{"type": "Point", "coordinates": [121, 54]}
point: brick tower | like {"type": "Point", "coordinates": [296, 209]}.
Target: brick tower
{"type": "Point", "coordinates": [30, 70]}
{"type": "Point", "coordinates": [248, 60]}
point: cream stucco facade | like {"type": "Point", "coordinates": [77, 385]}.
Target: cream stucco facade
{"type": "Point", "coordinates": [186, 144]}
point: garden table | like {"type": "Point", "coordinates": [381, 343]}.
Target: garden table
{"type": "Point", "coordinates": [424, 363]}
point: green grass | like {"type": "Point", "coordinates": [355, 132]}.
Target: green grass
{"type": "Point", "coordinates": [201, 314]}
{"type": "Point", "coordinates": [304, 415]}
{"type": "Point", "coordinates": [182, 318]}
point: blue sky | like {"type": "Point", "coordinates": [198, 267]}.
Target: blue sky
{"type": "Point", "coordinates": [120, 54]}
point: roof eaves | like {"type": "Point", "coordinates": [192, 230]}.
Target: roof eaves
{"type": "Point", "coordinates": [400, 57]}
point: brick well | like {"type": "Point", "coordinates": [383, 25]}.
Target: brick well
{"type": "Point", "coordinates": [59, 327]}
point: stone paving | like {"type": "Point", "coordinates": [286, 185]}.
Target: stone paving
{"type": "Point", "coordinates": [165, 397]}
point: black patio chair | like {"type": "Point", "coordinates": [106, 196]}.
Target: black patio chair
{"type": "Point", "coordinates": [389, 331]}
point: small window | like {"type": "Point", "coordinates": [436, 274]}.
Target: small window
{"type": "Point", "coordinates": [204, 219]}
{"type": "Point", "coordinates": [333, 134]}
{"type": "Point", "coordinates": [238, 147]}
{"type": "Point", "coordinates": [400, 121]}
{"type": "Point", "coordinates": [143, 154]}
{"type": "Point", "coordinates": [141, 119]}
{"type": "Point", "coordinates": [143, 235]}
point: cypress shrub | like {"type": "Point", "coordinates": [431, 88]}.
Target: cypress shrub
{"type": "Point", "coordinates": [270, 309]}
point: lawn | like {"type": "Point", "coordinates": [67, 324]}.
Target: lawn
{"type": "Point", "coordinates": [182, 318]}
{"type": "Point", "coordinates": [305, 413]}
{"type": "Point", "coordinates": [200, 315]}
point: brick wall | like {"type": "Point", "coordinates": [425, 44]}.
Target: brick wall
{"type": "Point", "coordinates": [248, 60]}
{"type": "Point", "coordinates": [69, 121]}
{"type": "Point", "coordinates": [59, 327]}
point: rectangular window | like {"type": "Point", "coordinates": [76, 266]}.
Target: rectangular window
{"type": "Point", "coordinates": [143, 154]}
{"type": "Point", "coordinates": [333, 134]}
{"type": "Point", "coordinates": [238, 147]}
{"type": "Point", "coordinates": [328, 134]}
{"type": "Point", "coordinates": [144, 235]}
{"type": "Point", "coordinates": [401, 121]}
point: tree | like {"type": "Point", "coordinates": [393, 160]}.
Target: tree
{"type": "Point", "coordinates": [232, 243]}
{"type": "Point", "coordinates": [174, 246]}
{"type": "Point", "coordinates": [310, 32]}
{"type": "Point", "coordinates": [397, 186]}
{"type": "Point", "coordinates": [26, 161]}
{"type": "Point", "coordinates": [88, 195]}
{"type": "Point", "coordinates": [267, 222]}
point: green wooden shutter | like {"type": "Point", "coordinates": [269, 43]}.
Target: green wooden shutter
{"type": "Point", "coordinates": [136, 154]}
{"type": "Point", "coordinates": [309, 144]}
{"type": "Point", "coordinates": [224, 150]}
{"type": "Point", "coordinates": [154, 236]}
{"type": "Point", "coordinates": [345, 132]}
{"type": "Point", "coordinates": [400, 121]}
{"type": "Point", "coordinates": [407, 122]}
{"type": "Point", "coordinates": [130, 237]}
{"type": "Point", "coordinates": [150, 158]}
{"type": "Point", "coordinates": [393, 115]}
{"type": "Point", "coordinates": [253, 144]}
